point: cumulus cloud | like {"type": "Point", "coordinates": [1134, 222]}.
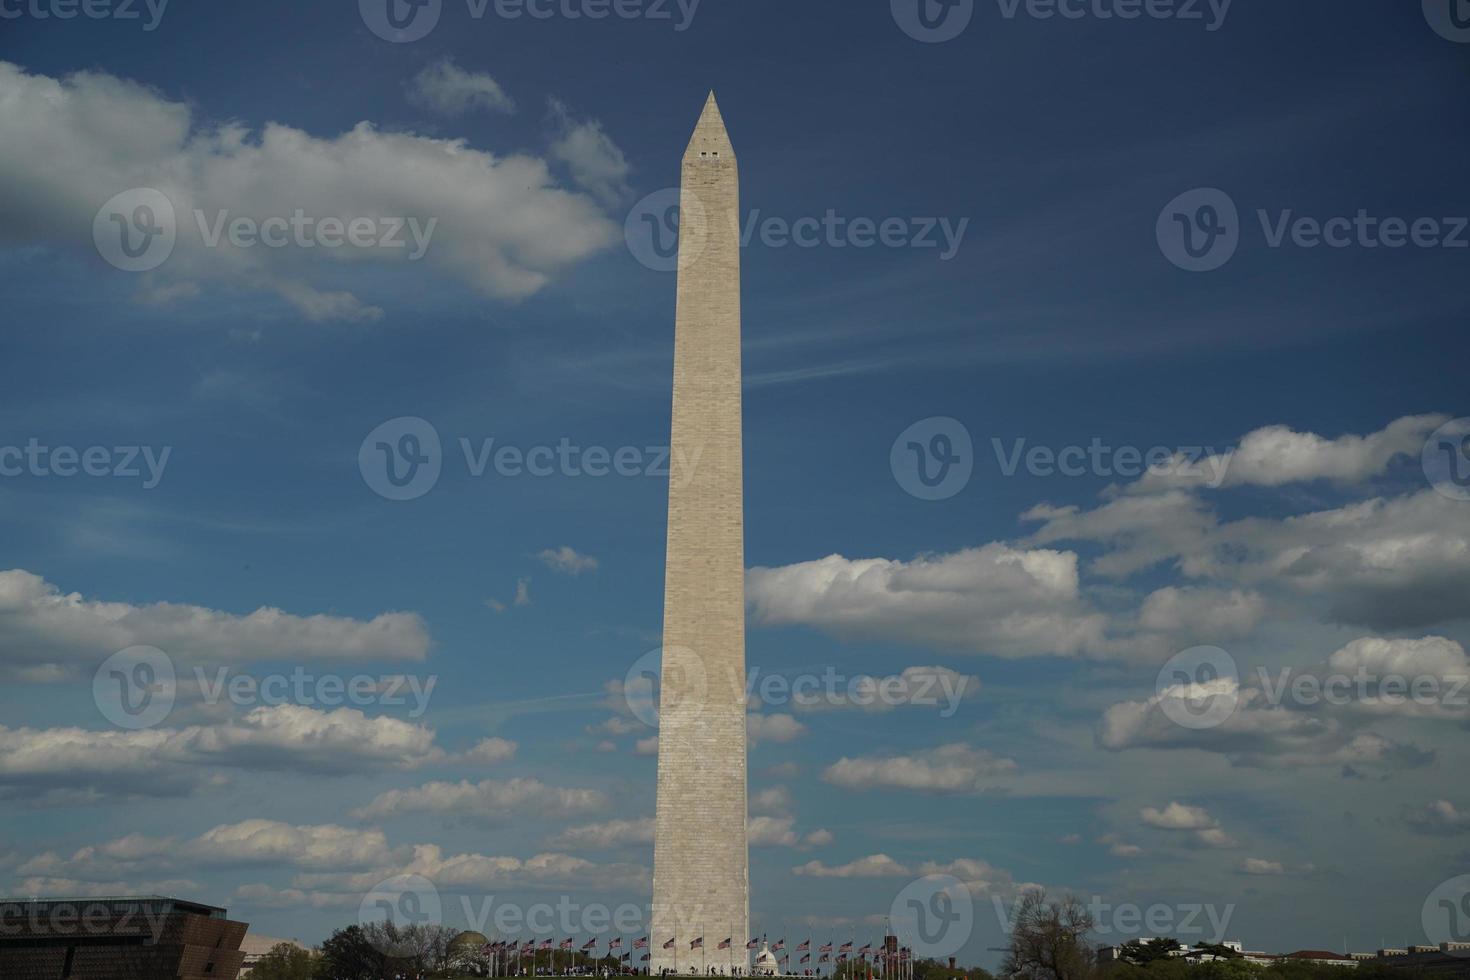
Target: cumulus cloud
{"type": "Point", "coordinates": [76, 765]}
{"type": "Point", "coordinates": [567, 560]}
{"type": "Point", "coordinates": [978, 876]}
{"type": "Point", "coordinates": [773, 799]}
{"type": "Point", "coordinates": [872, 866]}
{"type": "Point", "coordinates": [1385, 563]}
{"type": "Point", "coordinates": [610, 833]}
{"type": "Point", "coordinates": [43, 628]}
{"type": "Point", "coordinates": [490, 800]}
{"type": "Point", "coordinates": [1276, 455]}
{"type": "Point", "coordinates": [954, 768]}
{"type": "Point", "coordinates": [1176, 816]}
{"type": "Point", "coordinates": [595, 162]}
{"type": "Point", "coordinates": [1438, 817]}
{"type": "Point", "coordinates": [772, 728]}
{"type": "Point", "coordinates": [489, 751]}
{"type": "Point", "coordinates": [1261, 866]}
{"type": "Point", "coordinates": [247, 843]}
{"type": "Point", "coordinates": [993, 599]}
{"type": "Point", "coordinates": [1256, 734]}
{"type": "Point", "coordinates": [445, 88]}
{"type": "Point", "coordinates": [499, 224]}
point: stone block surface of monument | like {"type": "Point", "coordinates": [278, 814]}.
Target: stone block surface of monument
{"type": "Point", "coordinates": [701, 877]}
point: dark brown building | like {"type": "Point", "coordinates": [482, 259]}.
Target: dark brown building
{"type": "Point", "coordinates": [146, 937]}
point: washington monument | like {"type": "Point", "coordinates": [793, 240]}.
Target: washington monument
{"type": "Point", "coordinates": [700, 876]}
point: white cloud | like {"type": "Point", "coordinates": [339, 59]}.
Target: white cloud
{"type": "Point", "coordinates": [993, 599]}
{"type": "Point", "coordinates": [1261, 866]}
{"type": "Point", "coordinates": [978, 876]}
{"type": "Point", "coordinates": [74, 764]}
{"type": "Point", "coordinates": [489, 751]}
{"type": "Point", "coordinates": [646, 746]}
{"type": "Point", "coordinates": [1177, 816]}
{"type": "Point", "coordinates": [1386, 563]}
{"type": "Point", "coordinates": [567, 560]}
{"type": "Point", "coordinates": [594, 160]}
{"type": "Point", "coordinates": [249, 842]}
{"type": "Point", "coordinates": [42, 627]}
{"type": "Point", "coordinates": [1438, 817]}
{"type": "Point", "coordinates": [1276, 455]}
{"type": "Point", "coordinates": [774, 800]}
{"type": "Point", "coordinates": [873, 866]}
{"type": "Point", "coordinates": [931, 687]}
{"type": "Point", "coordinates": [449, 90]}
{"type": "Point", "coordinates": [772, 728]}
{"type": "Point", "coordinates": [490, 800]}
{"type": "Point", "coordinates": [502, 225]}
{"type": "Point", "coordinates": [954, 768]}
{"type": "Point", "coordinates": [611, 833]}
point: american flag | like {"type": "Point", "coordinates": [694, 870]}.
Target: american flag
{"type": "Point", "coordinates": [528, 945]}
{"type": "Point", "coordinates": [628, 956]}
{"type": "Point", "coordinates": [803, 947]}
{"type": "Point", "coordinates": [826, 948]}
{"type": "Point", "coordinates": [780, 945]}
{"type": "Point", "coordinates": [645, 958]}
{"type": "Point", "coordinates": [589, 944]}
{"type": "Point", "coordinates": [726, 943]}
{"type": "Point", "coordinates": [867, 948]}
{"type": "Point", "coordinates": [566, 944]}
{"type": "Point", "coordinates": [546, 944]}
{"type": "Point", "coordinates": [842, 957]}
{"type": "Point", "coordinates": [697, 944]}
{"type": "Point", "coordinates": [669, 944]}
{"type": "Point", "coordinates": [846, 947]}
{"type": "Point", "coordinates": [823, 958]}
{"type": "Point", "coordinates": [613, 944]}
{"type": "Point", "coordinates": [807, 958]}
{"type": "Point", "coordinates": [753, 944]}
{"type": "Point", "coordinates": [640, 943]}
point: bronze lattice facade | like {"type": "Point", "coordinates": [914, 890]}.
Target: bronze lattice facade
{"type": "Point", "coordinates": [124, 938]}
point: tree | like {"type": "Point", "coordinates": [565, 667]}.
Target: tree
{"type": "Point", "coordinates": [1049, 941]}
{"type": "Point", "coordinates": [283, 961]}
{"type": "Point", "coordinates": [350, 955]}
{"type": "Point", "coordinates": [1143, 952]}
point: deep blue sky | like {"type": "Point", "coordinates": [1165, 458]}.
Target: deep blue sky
{"type": "Point", "coordinates": [1059, 321]}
